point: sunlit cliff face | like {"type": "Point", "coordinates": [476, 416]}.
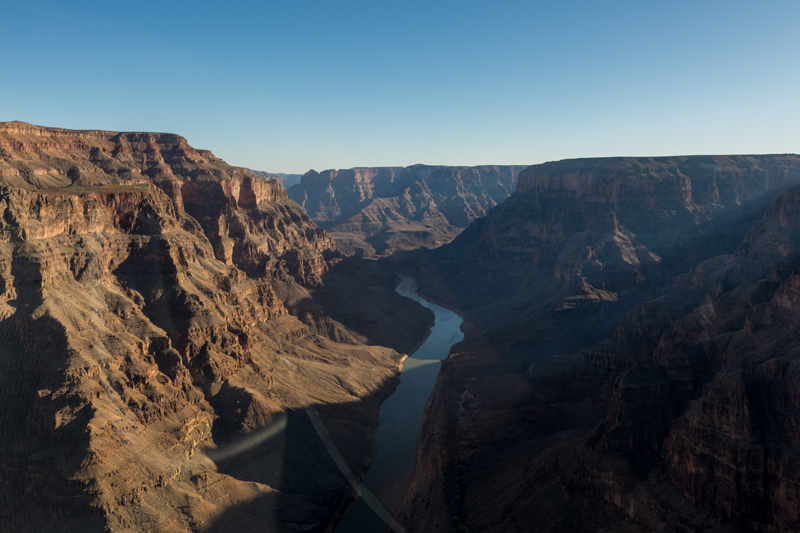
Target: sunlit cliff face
{"type": "Point", "coordinates": [162, 341]}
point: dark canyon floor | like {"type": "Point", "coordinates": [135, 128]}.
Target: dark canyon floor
{"type": "Point", "coordinates": [187, 346]}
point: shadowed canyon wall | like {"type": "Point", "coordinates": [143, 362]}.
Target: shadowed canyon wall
{"type": "Point", "coordinates": [629, 355]}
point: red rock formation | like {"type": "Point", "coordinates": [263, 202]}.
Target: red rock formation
{"type": "Point", "coordinates": [377, 211]}
{"type": "Point", "coordinates": [249, 221]}
{"type": "Point", "coordinates": [683, 418]}
{"type": "Point", "coordinates": [286, 180]}
{"type": "Point", "coordinates": [713, 399]}
{"type": "Point", "coordinates": [159, 312]}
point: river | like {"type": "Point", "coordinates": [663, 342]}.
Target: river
{"type": "Point", "coordinates": [400, 420]}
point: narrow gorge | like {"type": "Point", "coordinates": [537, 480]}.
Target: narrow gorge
{"type": "Point", "coordinates": [400, 419]}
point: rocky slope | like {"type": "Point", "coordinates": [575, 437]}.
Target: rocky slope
{"type": "Point", "coordinates": [377, 211]}
{"type": "Point", "coordinates": [624, 367]}
{"type": "Point", "coordinates": [178, 349]}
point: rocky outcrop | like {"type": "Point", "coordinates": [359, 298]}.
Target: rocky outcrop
{"type": "Point", "coordinates": [623, 366]}
{"type": "Point", "coordinates": [570, 253]}
{"type": "Point", "coordinates": [377, 211]}
{"type": "Point", "coordinates": [336, 194]}
{"type": "Point", "coordinates": [173, 342]}
{"type": "Point", "coordinates": [707, 401]}
{"type": "Point", "coordinates": [248, 220]}
{"type": "Point", "coordinates": [405, 221]}
{"type": "Point", "coordinates": [286, 180]}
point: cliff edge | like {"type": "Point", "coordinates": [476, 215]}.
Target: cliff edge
{"type": "Point", "coordinates": [173, 337]}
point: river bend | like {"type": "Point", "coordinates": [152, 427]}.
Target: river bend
{"type": "Point", "coordinates": [400, 421]}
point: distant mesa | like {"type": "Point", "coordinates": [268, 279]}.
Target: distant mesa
{"type": "Point", "coordinates": [376, 211]}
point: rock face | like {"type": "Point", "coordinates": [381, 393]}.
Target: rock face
{"type": "Point", "coordinates": [629, 354]}
{"type": "Point", "coordinates": [175, 352]}
{"type": "Point", "coordinates": [286, 180]}
{"type": "Point", "coordinates": [377, 211]}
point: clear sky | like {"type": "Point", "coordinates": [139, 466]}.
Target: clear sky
{"type": "Point", "coordinates": [291, 85]}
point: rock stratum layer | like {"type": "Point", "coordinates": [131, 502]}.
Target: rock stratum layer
{"type": "Point", "coordinates": [178, 347]}
{"type": "Point", "coordinates": [630, 356]}
{"type": "Point", "coordinates": [378, 211]}
{"type": "Point", "coordinates": [286, 180]}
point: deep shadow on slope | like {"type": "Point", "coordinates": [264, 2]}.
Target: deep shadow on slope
{"type": "Point", "coordinates": [360, 295]}
{"type": "Point", "coordinates": [286, 462]}
{"type": "Point", "coordinates": [289, 452]}
{"type": "Point", "coordinates": [32, 351]}
{"type": "Point", "coordinates": [547, 274]}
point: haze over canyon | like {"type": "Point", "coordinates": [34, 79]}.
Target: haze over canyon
{"type": "Point", "coordinates": [186, 345]}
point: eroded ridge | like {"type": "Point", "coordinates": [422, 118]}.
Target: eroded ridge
{"type": "Point", "coordinates": [165, 321]}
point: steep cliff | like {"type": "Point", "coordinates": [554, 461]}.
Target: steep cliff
{"type": "Point", "coordinates": [174, 354]}
{"type": "Point", "coordinates": [286, 180]}
{"type": "Point", "coordinates": [680, 420]}
{"type": "Point", "coordinates": [707, 399]}
{"type": "Point", "coordinates": [570, 252]}
{"type": "Point", "coordinates": [377, 211]}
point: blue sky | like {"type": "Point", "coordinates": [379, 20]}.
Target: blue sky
{"type": "Point", "coordinates": [293, 85]}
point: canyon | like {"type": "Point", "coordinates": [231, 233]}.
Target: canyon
{"type": "Point", "coordinates": [375, 212]}
{"type": "Point", "coordinates": [286, 180]}
{"type": "Point", "coordinates": [629, 356]}
{"type": "Point", "coordinates": [186, 345]}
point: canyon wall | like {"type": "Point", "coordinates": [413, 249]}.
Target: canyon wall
{"type": "Point", "coordinates": [286, 180]}
{"type": "Point", "coordinates": [179, 346]}
{"type": "Point", "coordinates": [377, 211]}
{"type": "Point", "coordinates": [624, 366]}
